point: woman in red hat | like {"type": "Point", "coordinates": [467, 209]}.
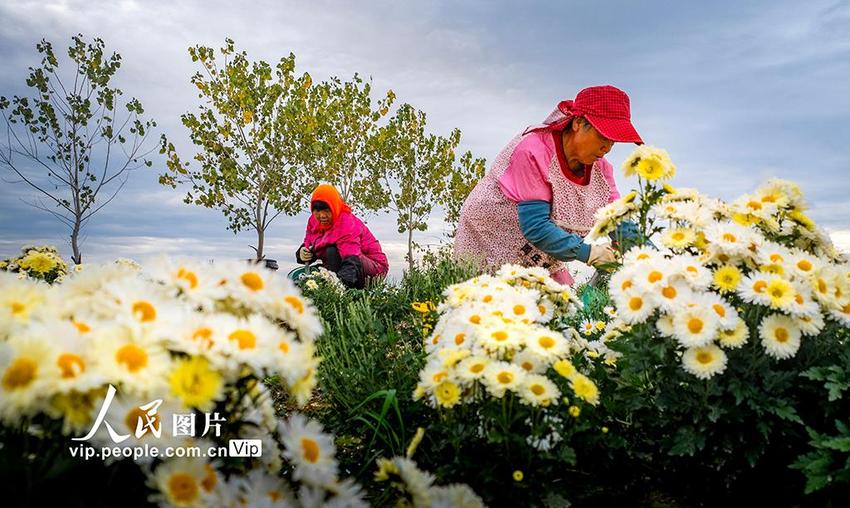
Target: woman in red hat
{"type": "Point", "coordinates": [340, 240]}
{"type": "Point", "coordinates": [537, 201]}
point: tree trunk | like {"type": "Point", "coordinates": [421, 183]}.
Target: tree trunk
{"type": "Point", "coordinates": [410, 249]}
{"type": "Point", "coordinates": [261, 235]}
{"type": "Point", "coordinates": [76, 256]}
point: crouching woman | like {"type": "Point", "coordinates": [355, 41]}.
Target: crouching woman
{"type": "Point", "coordinates": [341, 241]}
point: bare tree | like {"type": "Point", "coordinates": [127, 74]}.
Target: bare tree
{"type": "Point", "coordinates": [67, 141]}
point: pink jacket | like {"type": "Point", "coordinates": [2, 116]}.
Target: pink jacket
{"type": "Point", "coordinates": [352, 238]}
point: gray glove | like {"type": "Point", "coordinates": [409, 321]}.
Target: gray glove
{"type": "Point", "coordinates": [600, 254]}
{"type": "Point", "coordinates": [305, 254]}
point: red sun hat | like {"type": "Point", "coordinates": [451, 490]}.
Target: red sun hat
{"type": "Point", "coordinates": [607, 109]}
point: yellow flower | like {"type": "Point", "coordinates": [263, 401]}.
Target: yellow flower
{"type": "Point", "coordinates": [745, 219]}
{"type": "Point", "coordinates": [585, 389]}
{"type": "Point", "coordinates": [604, 430]}
{"type": "Point", "coordinates": [780, 292]}
{"type": "Point", "coordinates": [422, 307]}
{"type": "Point", "coordinates": [726, 278]}
{"type": "Point", "coordinates": [518, 476]}
{"type": "Point", "coordinates": [247, 117]}
{"type": "Point", "coordinates": [565, 368]}
{"type": "Point", "coordinates": [447, 394]}
{"type": "Point", "coordinates": [628, 198]}
{"type": "Point", "coordinates": [574, 411]}
{"type": "Point", "coordinates": [678, 238]}
{"type": "Point", "coordinates": [195, 383]}
{"type": "Point", "coordinates": [39, 262]}
{"type": "Point", "coordinates": [386, 467]}
{"type": "Point", "coordinates": [414, 443]}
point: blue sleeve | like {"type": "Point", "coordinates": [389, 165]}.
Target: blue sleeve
{"type": "Point", "coordinates": [544, 234]}
{"type": "Point", "coordinates": [625, 232]}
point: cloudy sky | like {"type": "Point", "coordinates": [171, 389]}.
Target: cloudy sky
{"type": "Point", "coordinates": [736, 91]}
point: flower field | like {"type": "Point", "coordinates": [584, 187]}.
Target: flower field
{"type": "Point", "coordinates": [710, 363]}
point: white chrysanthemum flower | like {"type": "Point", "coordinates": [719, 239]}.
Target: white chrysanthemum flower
{"type": "Point", "coordinates": [71, 356]}
{"type": "Point", "coordinates": [692, 271]}
{"type": "Point", "coordinates": [537, 390]}
{"type": "Point", "coordinates": [498, 337]}
{"type": "Point", "coordinates": [641, 254]}
{"type": "Point", "coordinates": [197, 280]}
{"type": "Point", "coordinates": [654, 274]}
{"type": "Point", "coordinates": [664, 325]}
{"type": "Point", "coordinates": [729, 238]}
{"type": "Point", "coordinates": [634, 307]}
{"type": "Point", "coordinates": [678, 238]}
{"type": "Point", "coordinates": [735, 336]}
{"type": "Point", "coordinates": [547, 344]}
{"type": "Point", "coordinates": [455, 496]}
{"type": "Point", "coordinates": [671, 296]}
{"type": "Point", "coordinates": [727, 316]}
{"type": "Point", "coordinates": [139, 364]}
{"type": "Point", "coordinates": [771, 253]}
{"type": "Point", "coordinates": [780, 336]}
{"type": "Point", "coordinates": [521, 307]}
{"type": "Point", "coordinates": [19, 299]}
{"type": "Point", "coordinates": [259, 488]}
{"type": "Point", "coordinates": [433, 374]}
{"type": "Point", "coordinates": [249, 341]}
{"type": "Point", "coordinates": [27, 376]}
{"type": "Point", "coordinates": [546, 309]}
{"type": "Point", "coordinates": [179, 482]}
{"type": "Point", "coordinates": [311, 450]}
{"type": "Point", "coordinates": [287, 304]}
{"type": "Point", "coordinates": [753, 289]}
{"type": "Point", "coordinates": [841, 312]}
{"type": "Point", "coordinates": [530, 362]}
{"type": "Point", "coordinates": [704, 362]}
{"type": "Point", "coordinates": [811, 324]}
{"type": "Point", "coordinates": [502, 376]}
{"type": "Point", "coordinates": [472, 368]}
{"type": "Point", "coordinates": [139, 302]}
{"type": "Point", "coordinates": [695, 325]}
{"type": "Point", "coordinates": [753, 205]}
{"type": "Point", "coordinates": [804, 265]}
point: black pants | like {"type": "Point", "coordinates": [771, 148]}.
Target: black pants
{"type": "Point", "coordinates": [349, 270]}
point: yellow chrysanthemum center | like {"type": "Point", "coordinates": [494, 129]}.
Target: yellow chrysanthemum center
{"type": "Point", "coordinates": [781, 335]}
{"type": "Point", "coordinates": [70, 364]}
{"type": "Point", "coordinates": [759, 286]}
{"type": "Point", "coordinates": [626, 285]}
{"type": "Point", "coordinates": [476, 368]}
{"type": "Point", "coordinates": [500, 335]}
{"type": "Point", "coordinates": [189, 276]}
{"type": "Point", "coordinates": [310, 449]}
{"type": "Point", "coordinates": [475, 319]}
{"type": "Point", "coordinates": [804, 265]}
{"type": "Point", "coordinates": [719, 310]}
{"type": "Point", "coordinates": [137, 414]}
{"type": "Point", "coordinates": [642, 256]}
{"type": "Point", "coordinates": [537, 389]}
{"type": "Point", "coordinates": [245, 338]}
{"type": "Point", "coordinates": [754, 205]}
{"type": "Point", "coordinates": [635, 303]}
{"type": "Point", "coordinates": [695, 325]}
{"type": "Point", "coordinates": [505, 377]}
{"type": "Point", "coordinates": [546, 342]}
{"type": "Point", "coordinates": [729, 237]}
{"type": "Point", "coordinates": [19, 374]}
{"type": "Point", "coordinates": [203, 334]}
{"type": "Point", "coordinates": [295, 302]}
{"type": "Point", "coordinates": [655, 276]}
{"type": "Point", "coordinates": [528, 366]}
{"type": "Point", "coordinates": [459, 338]}
{"type": "Point", "coordinates": [183, 487]}
{"type": "Point", "coordinates": [704, 357]}
{"type": "Point", "coordinates": [283, 346]}
{"type": "Point", "coordinates": [678, 236]}
{"type": "Point", "coordinates": [439, 376]}
{"type": "Point", "coordinates": [435, 340]}
{"type": "Point", "coordinates": [81, 327]}
{"type": "Point", "coordinates": [144, 311]}
{"type": "Point", "coordinates": [669, 292]}
{"type": "Point", "coordinates": [17, 308]}
{"type": "Point", "coordinates": [487, 298]}
{"type": "Point", "coordinates": [132, 356]}
{"type": "Point", "coordinates": [252, 281]}
{"type": "Point", "coordinates": [519, 310]}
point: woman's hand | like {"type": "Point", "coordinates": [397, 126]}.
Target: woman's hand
{"type": "Point", "coordinates": [600, 255]}
{"type": "Point", "coordinates": [305, 254]}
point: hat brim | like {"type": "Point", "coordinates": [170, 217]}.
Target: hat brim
{"type": "Point", "coordinates": [619, 130]}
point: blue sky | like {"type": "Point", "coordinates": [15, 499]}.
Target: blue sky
{"type": "Point", "coordinates": [736, 91]}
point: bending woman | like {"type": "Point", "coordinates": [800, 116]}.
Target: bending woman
{"type": "Point", "coordinates": [340, 240]}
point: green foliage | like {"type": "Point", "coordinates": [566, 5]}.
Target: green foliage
{"type": "Point", "coordinates": [254, 132]}
{"type": "Point", "coordinates": [73, 139]}
{"type": "Point", "coordinates": [418, 171]}
{"type": "Point", "coordinates": [827, 466]}
{"type": "Point", "coordinates": [346, 121]}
